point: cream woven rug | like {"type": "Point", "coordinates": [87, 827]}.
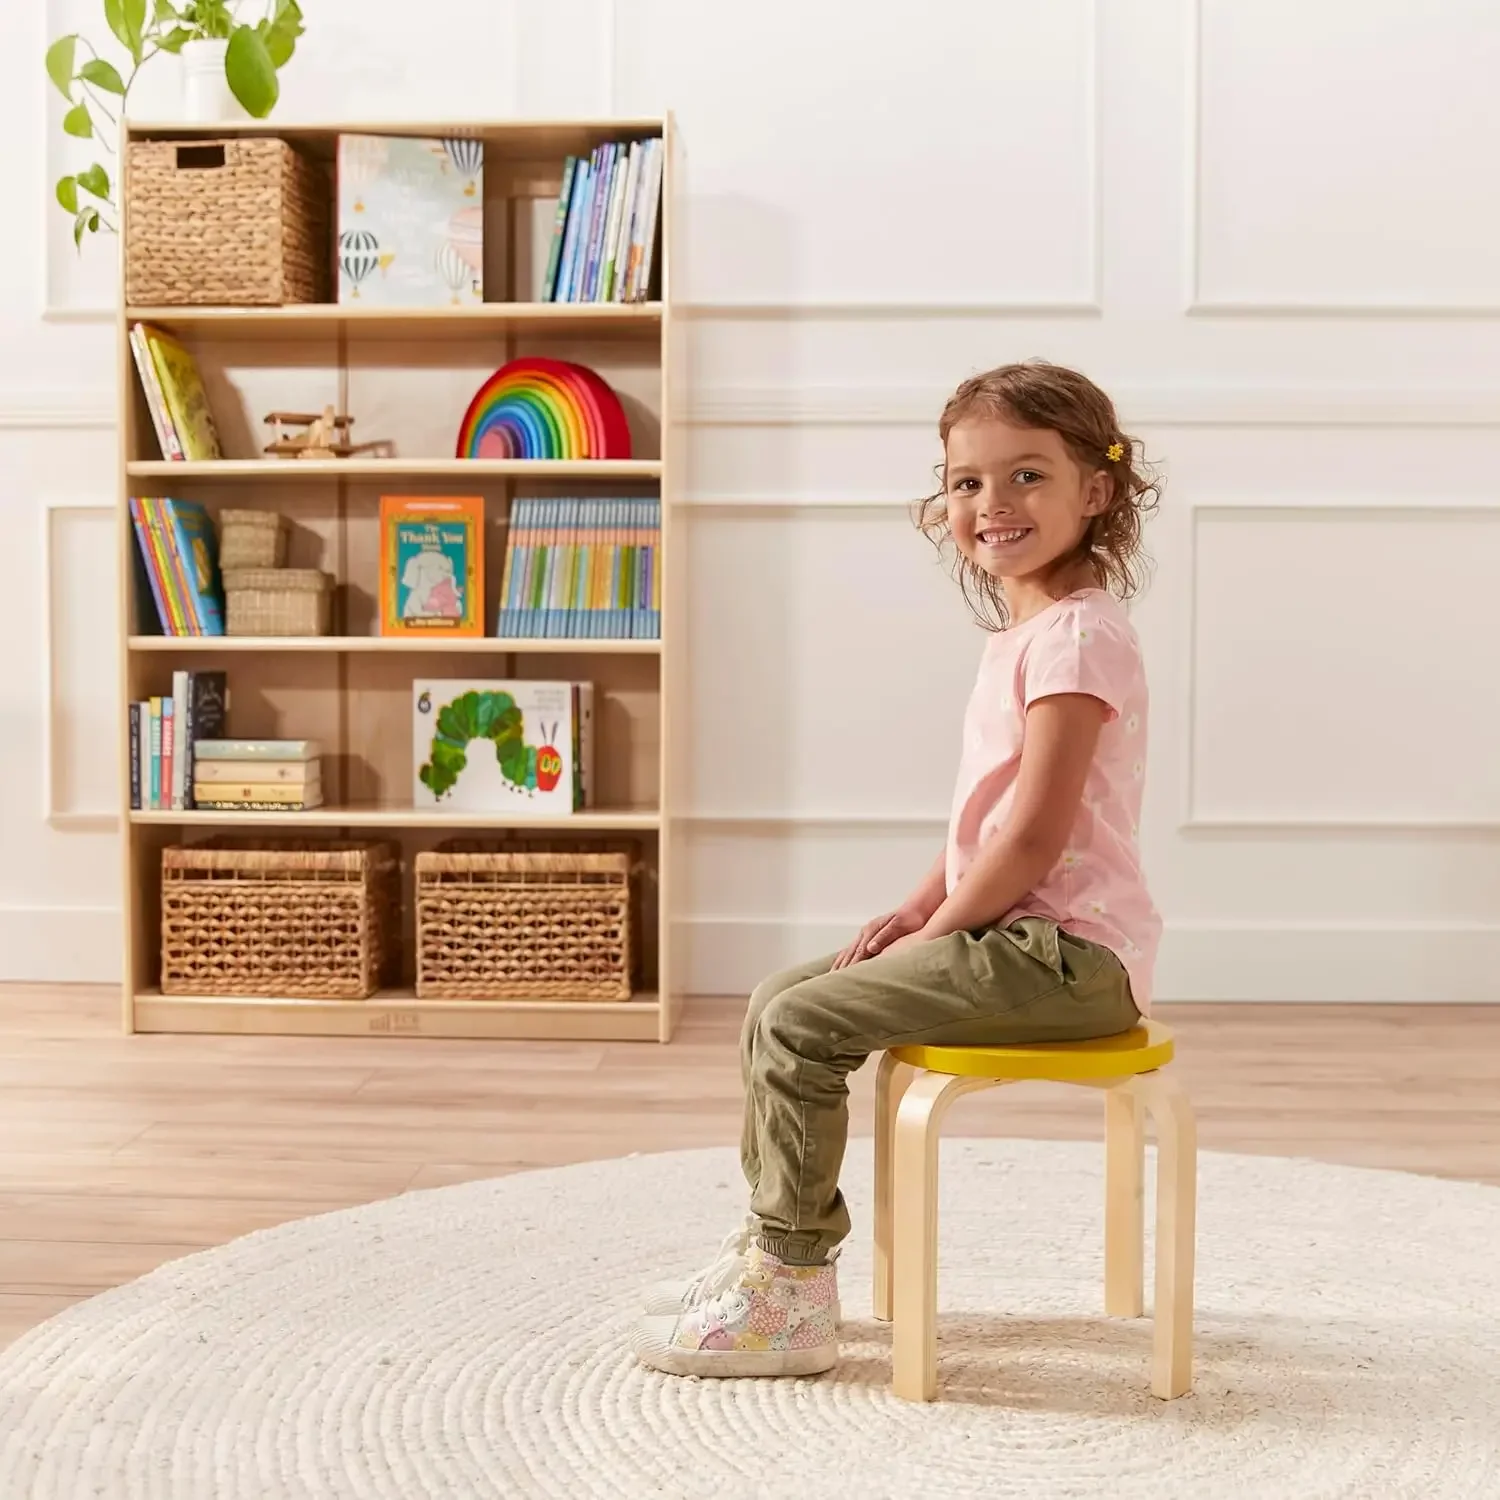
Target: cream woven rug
{"type": "Point", "coordinates": [469, 1343]}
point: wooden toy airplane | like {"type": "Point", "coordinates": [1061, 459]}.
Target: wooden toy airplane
{"type": "Point", "coordinates": [324, 435]}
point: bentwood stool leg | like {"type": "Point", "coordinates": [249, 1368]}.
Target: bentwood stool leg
{"type": "Point", "coordinates": [1124, 1192]}
{"type": "Point", "coordinates": [1176, 1209]}
{"type": "Point", "coordinates": [919, 1121]}
{"type": "Point", "coordinates": [891, 1082]}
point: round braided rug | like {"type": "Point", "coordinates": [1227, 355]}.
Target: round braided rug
{"type": "Point", "coordinates": [470, 1342]}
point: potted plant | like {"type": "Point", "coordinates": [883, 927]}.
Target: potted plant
{"type": "Point", "coordinates": [229, 64]}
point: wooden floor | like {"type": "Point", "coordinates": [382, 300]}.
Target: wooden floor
{"type": "Point", "coordinates": [117, 1153]}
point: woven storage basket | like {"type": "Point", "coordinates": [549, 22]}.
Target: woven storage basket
{"type": "Point", "coordinates": [301, 920]}
{"type": "Point", "coordinates": [251, 539]}
{"type": "Point", "coordinates": [231, 223]}
{"type": "Point", "coordinates": [523, 926]}
{"type": "Point", "coordinates": [277, 601]}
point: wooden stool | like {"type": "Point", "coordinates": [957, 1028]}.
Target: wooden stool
{"type": "Point", "coordinates": [914, 1088]}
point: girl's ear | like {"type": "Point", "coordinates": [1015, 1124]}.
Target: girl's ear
{"type": "Point", "coordinates": [1100, 491]}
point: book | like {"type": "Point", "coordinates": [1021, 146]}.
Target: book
{"type": "Point", "coordinates": [559, 231]}
{"type": "Point", "coordinates": [263, 772]}
{"type": "Point", "coordinates": [156, 401]}
{"type": "Point", "coordinates": [183, 395]}
{"type": "Point", "coordinates": [307, 804]}
{"type": "Point", "coordinates": [581, 568]}
{"type": "Point", "coordinates": [193, 557]}
{"type": "Point", "coordinates": [431, 565]}
{"type": "Point", "coordinates": [283, 794]}
{"type": "Point", "coordinates": [217, 749]}
{"type": "Point", "coordinates": [135, 756]}
{"type": "Point", "coordinates": [639, 271]}
{"type": "Point", "coordinates": [518, 747]}
{"type": "Point", "coordinates": [205, 713]}
{"type": "Point", "coordinates": [577, 209]}
{"type": "Point", "coordinates": [410, 221]}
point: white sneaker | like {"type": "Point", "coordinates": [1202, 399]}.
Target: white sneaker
{"type": "Point", "coordinates": [668, 1298]}
{"type": "Point", "coordinates": [773, 1319]}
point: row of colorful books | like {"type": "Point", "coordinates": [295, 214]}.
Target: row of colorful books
{"type": "Point", "coordinates": [167, 738]}
{"type": "Point", "coordinates": [582, 569]}
{"type": "Point", "coordinates": [177, 553]}
{"type": "Point", "coordinates": [259, 776]}
{"type": "Point", "coordinates": [604, 236]}
{"type": "Point", "coordinates": [174, 396]}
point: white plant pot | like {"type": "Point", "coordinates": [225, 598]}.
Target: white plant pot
{"type": "Point", "coordinates": [206, 94]}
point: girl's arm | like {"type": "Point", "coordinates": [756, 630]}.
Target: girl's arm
{"type": "Point", "coordinates": [1062, 732]}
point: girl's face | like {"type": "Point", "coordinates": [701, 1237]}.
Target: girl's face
{"type": "Point", "coordinates": [1017, 499]}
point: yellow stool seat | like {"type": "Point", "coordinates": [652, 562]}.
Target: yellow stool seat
{"type": "Point", "coordinates": [1142, 1049]}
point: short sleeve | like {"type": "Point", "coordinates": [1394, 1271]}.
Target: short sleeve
{"type": "Point", "coordinates": [1080, 652]}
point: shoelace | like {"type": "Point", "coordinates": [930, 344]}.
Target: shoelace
{"type": "Point", "coordinates": [725, 1268]}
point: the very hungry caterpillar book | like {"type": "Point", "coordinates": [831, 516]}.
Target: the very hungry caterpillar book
{"type": "Point", "coordinates": [431, 565]}
{"type": "Point", "coordinates": [518, 747]}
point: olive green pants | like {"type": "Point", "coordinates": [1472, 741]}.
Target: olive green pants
{"type": "Point", "coordinates": [807, 1029]}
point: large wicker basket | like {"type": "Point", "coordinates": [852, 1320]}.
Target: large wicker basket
{"type": "Point", "coordinates": [277, 601]}
{"type": "Point", "coordinates": [232, 223]}
{"type": "Point", "coordinates": [304, 920]}
{"type": "Point", "coordinates": [523, 925]}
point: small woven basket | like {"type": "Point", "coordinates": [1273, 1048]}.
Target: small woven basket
{"type": "Point", "coordinates": [523, 926]}
{"type": "Point", "coordinates": [251, 539]}
{"type": "Point", "coordinates": [277, 601]}
{"type": "Point", "coordinates": [229, 223]}
{"type": "Point", "coordinates": [292, 920]}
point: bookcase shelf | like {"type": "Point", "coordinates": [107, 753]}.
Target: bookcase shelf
{"type": "Point", "coordinates": [406, 374]}
{"type": "Point", "coordinates": [366, 815]}
{"type": "Point", "coordinates": [291, 471]}
{"type": "Point", "coordinates": [400, 324]}
{"type": "Point", "coordinates": [489, 645]}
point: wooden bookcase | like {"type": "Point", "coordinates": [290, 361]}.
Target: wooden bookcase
{"type": "Point", "coordinates": [406, 375]}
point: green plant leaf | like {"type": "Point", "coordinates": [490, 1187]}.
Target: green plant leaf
{"type": "Point", "coordinates": [87, 221]}
{"type": "Point", "coordinates": [281, 31]}
{"type": "Point", "coordinates": [127, 19]}
{"type": "Point", "coordinates": [78, 122]}
{"type": "Point", "coordinates": [102, 75]}
{"type": "Point", "coordinates": [165, 11]}
{"type": "Point", "coordinates": [96, 181]}
{"type": "Point", "coordinates": [251, 73]}
{"type": "Point", "coordinates": [175, 40]}
{"type": "Point", "coordinates": [60, 57]}
{"type": "Point", "coordinates": [67, 193]}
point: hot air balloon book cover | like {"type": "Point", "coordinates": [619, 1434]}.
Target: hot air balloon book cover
{"type": "Point", "coordinates": [431, 565]}
{"type": "Point", "coordinates": [411, 221]}
{"type": "Point", "coordinates": [483, 746]}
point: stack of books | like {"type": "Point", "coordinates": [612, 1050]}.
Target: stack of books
{"type": "Point", "coordinates": [165, 736]}
{"type": "Point", "coordinates": [174, 396]}
{"type": "Point", "coordinates": [604, 236]}
{"type": "Point", "coordinates": [258, 775]}
{"type": "Point", "coordinates": [177, 566]}
{"type": "Point", "coordinates": [582, 569]}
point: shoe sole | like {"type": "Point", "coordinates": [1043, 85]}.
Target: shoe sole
{"type": "Point", "coordinates": [653, 1348]}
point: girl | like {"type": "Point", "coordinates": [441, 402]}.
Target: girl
{"type": "Point", "coordinates": [1033, 924]}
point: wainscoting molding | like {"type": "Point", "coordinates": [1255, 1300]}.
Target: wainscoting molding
{"type": "Point", "coordinates": [70, 820]}
{"type": "Point", "coordinates": [1191, 820]}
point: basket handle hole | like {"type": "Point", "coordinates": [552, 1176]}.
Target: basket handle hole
{"type": "Point", "coordinates": [200, 158]}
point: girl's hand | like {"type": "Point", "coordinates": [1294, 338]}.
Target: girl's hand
{"type": "Point", "coordinates": [881, 934]}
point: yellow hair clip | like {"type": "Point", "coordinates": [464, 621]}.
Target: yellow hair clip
{"type": "Point", "coordinates": [1116, 452]}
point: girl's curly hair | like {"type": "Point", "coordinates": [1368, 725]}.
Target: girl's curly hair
{"type": "Point", "coordinates": [1038, 394]}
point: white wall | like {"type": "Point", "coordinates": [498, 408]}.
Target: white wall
{"type": "Point", "coordinates": [1269, 229]}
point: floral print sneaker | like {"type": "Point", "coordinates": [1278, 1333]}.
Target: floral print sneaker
{"type": "Point", "coordinates": [773, 1319]}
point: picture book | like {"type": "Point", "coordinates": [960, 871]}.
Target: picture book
{"type": "Point", "coordinates": [178, 550]}
{"type": "Point", "coordinates": [156, 401]}
{"type": "Point", "coordinates": [604, 233]}
{"type": "Point", "coordinates": [219, 749]}
{"type": "Point", "coordinates": [524, 749]}
{"type": "Point", "coordinates": [180, 388]}
{"type": "Point", "coordinates": [410, 221]}
{"type": "Point", "coordinates": [431, 566]}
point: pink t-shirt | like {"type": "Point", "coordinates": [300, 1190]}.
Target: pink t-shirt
{"type": "Point", "coordinates": [1084, 643]}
